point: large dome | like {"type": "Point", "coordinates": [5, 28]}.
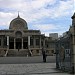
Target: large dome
{"type": "Point", "coordinates": [18, 23]}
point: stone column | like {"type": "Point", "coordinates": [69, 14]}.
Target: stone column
{"type": "Point", "coordinates": [29, 51]}
{"type": "Point", "coordinates": [44, 43]}
{"type": "Point", "coordinates": [22, 43]}
{"type": "Point", "coordinates": [29, 42]}
{"type": "Point", "coordinates": [14, 43]}
{"type": "Point", "coordinates": [40, 41]}
{"type": "Point", "coordinates": [6, 52]}
{"type": "Point", "coordinates": [34, 42]}
{"type": "Point", "coordinates": [8, 42]}
{"type": "Point", "coordinates": [2, 42]}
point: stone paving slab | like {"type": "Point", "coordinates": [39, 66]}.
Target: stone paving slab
{"type": "Point", "coordinates": [30, 69]}
{"type": "Point", "coordinates": [24, 60]}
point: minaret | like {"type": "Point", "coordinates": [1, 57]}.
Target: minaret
{"type": "Point", "coordinates": [73, 34]}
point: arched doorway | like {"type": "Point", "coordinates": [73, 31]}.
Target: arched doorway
{"type": "Point", "coordinates": [18, 41]}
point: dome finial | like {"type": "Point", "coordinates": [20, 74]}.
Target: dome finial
{"type": "Point", "coordinates": [18, 15]}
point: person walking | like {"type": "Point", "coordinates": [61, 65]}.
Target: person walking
{"type": "Point", "coordinates": [44, 56]}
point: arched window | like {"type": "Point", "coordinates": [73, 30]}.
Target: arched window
{"type": "Point", "coordinates": [18, 34]}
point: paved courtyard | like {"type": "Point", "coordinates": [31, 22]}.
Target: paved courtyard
{"type": "Point", "coordinates": [29, 66]}
{"type": "Point", "coordinates": [30, 69]}
{"type": "Point", "coordinates": [23, 60]}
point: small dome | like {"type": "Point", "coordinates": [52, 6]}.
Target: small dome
{"type": "Point", "coordinates": [18, 23]}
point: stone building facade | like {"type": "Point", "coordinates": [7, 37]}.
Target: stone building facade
{"type": "Point", "coordinates": [72, 30]}
{"type": "Point", "coordinates": [18, 40]}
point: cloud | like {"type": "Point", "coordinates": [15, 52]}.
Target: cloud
{"type": "Point", "coordinates": [35, 11]}
{"type": "Point", "coordinates": [36, 4]}
{"type": "Point", "coordinates": [44, 27]}
{"type": "Point", "coordinates": [4, 15]}
{"type": "Point", "coordinates": [5, 19]}
{"type": "Point", "coordinates": [64, 8]}
{"type": "Point", "coordinates": [50, 28]}
{"type": "Point", "coordinates": [19, 3]}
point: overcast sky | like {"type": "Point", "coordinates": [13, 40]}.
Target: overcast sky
{"type": "Point", "coordinates": [48, 16]}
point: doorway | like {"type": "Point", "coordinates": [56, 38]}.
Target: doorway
{"type": "Point", "coordinates": [18, 43]}
{"type": "Point", "coordinates": [11, 43]}
{"type": "Point", "coordinates": [25, 45]}
{"type": "Point", "coordinates": [25, 42]}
